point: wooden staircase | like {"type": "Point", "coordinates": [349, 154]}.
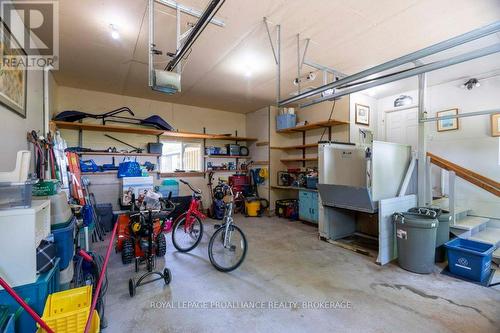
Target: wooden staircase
{"type": "Point", "coordinates": [465, 222]}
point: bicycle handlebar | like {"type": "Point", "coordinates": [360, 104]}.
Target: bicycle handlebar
{"type": "Point", "coordinates": [198, 191]}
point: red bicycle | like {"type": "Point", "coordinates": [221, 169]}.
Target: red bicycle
{"type": "Point", "coordinates": [187, 230]}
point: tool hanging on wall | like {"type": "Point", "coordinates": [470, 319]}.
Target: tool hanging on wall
{"type": "Point", "coordinates": [111, 116]}
{"type": "Point", "coordinates": [75, 176]}
{"type": "Point", "coordinates": [45, 159]}
{"type": "Point", "coordinates": [136, 149]}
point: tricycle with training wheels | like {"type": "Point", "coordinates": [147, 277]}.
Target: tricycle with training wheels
{"type": "Point", "coordinates": [227, 247]}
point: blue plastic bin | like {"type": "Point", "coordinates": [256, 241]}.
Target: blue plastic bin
{"type": "Point", "coordinates": [469, 259]}
{"type": "Point", "coordinates": [35, 294]}
{"type": "Point", "coordinates": [312, 182]}
{"type": "Point", "coordinates": [285, 121]}
{"type": "Point", "coordinates": [64, 240]}
{"type": "Point", "coordinates": [169, 185]}
{"type": "Point", "coordinates": [10, 326]}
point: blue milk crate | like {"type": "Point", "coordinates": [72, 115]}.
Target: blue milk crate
{"type": "Point", "coordinates": [284, 121]}
{"type": "Point", "coordinates": [64, 238]}
{"type": "Point", "coordinates": [35, 294]}
{"type": "Point", "coordinates": [469, 259]}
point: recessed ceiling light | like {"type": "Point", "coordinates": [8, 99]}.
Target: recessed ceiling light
{"type": "Point", "coordinates": [114, 32]}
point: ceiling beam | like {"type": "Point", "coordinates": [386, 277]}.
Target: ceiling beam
{"type": "Point", "coordinates": [190, 11]}
{"type": "Point", "coordinates": [433, 49]}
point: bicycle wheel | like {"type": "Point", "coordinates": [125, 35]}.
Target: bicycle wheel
{"type": "Point", "coordinates": [186, 239]}
{"type": "Point", "coordinates": [226, 259]}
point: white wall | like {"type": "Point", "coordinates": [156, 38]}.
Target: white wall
{"type": "Point", "coordinates": [13, 128]}
{"type": "Point", "coordinates": [361, 98]}
{"type": "Point", "coordinates": [471, 146]}
{"type": "Point", "coordinates": [182, 117]}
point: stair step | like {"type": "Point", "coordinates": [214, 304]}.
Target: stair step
{"type": "Point", "coordinates": [470, 223]}
{"type": "Point", "coordinates": [489, 235]}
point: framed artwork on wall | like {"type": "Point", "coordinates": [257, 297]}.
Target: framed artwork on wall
{"type": "Point", "coordinates": [13, 80]}
{"type": "Point", "coordinates": [362, 114]}
{"type": "Point", "coordinates": [495, 124]}
{"type": "Point", "coordinates": [447, 124]}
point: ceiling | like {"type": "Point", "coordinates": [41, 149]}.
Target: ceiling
{"type": "Point", "coordinates": [232, 68]}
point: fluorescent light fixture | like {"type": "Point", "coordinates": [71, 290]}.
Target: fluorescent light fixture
{"type": "Point", "coordinates": [114, 32]}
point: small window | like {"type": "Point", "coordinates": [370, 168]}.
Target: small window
{"type": "Point", "coordinates": [181, 156]}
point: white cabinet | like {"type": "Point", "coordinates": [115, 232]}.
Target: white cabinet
{"type": "Point", "coordinates": [21, 231]}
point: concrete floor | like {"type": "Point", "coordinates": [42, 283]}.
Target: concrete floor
{"type": "Point", "coordinates": [287, 263]}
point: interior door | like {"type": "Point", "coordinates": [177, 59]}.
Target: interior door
{"type": "Point", "coordinates": [402, 127]}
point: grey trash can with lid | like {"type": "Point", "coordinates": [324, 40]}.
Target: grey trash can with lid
{"type": "Point", "coordinates": [443, 231]}
{"type": "Point", "coordinates": [416, 241]}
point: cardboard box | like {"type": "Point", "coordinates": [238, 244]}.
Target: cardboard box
{"type": "Point", "coordinates": [135, 185]}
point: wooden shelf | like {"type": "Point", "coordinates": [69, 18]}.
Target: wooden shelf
{"type": "Point", "coordinates": [110, 172]}
{"type": "Point", "coordinates": [262, 143]}
{"type": "Point", "coordinates": [106, 128]}
{"type": "Point", "coordinates": [146, 131]}
{"type": "Point", "coordinates": [293, 188]}
{"type": "Point", "coordinates": [310, 145]}
{"type": "Point", "coordinates": [227, 156]}
{"type": "Point", "coordinates": [261, 162]}
{"type": "Point", "coordinates": [312, 126]}
{"type": "Point", "coordinates": [222, 171]}
{"type": "Point", "coordinates": [284, 160]}
{"type": "Point", "coordinates": [97, 153]}
{"type": "Point", "coordinates": [182, 174]}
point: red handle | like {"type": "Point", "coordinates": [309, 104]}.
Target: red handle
{"type": "Point", "coordinates": [87, 257]}
{"type": "Point", "coordinates": [101, 276]}
{"type": "Point", "coordinates": [25, 306]}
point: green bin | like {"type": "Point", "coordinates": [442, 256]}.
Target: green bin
{"type": "Point", "coordinates": [416, 241]}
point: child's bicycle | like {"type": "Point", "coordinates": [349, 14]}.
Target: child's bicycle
{"type": "Point", "coordinates": [228, 245]}
{"type": "Point", "coordinates": [187, 229]}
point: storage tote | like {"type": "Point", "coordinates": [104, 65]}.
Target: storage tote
{"type": "Point", "coordinates": [64, 240]}
{"type": "Point", "coordinates": [284, 121]}
{"type": "Point", "coordinates": [35, 294]}
{"type": "Point", "coordinates": [469, 259]}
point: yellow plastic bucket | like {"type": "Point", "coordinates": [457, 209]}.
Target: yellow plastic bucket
{"type": "Point", "coordinates": [252, 208]}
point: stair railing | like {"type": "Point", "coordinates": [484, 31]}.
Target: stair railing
{"type": "Point", "coordinates": [454, 170]}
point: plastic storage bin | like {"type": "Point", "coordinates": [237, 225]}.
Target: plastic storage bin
{"type": "Point", "coordinates": [35, 294]}
{"type": "Point", "coordinates": [469, 259]}
{"type": "Point", "coordinates": [284, 121]}
{"type": "Point", "coordinates": [67, 311]}
{"type": "Point", "coordinates": [169, 185]}
{"type": "Point", "coordinates": [21, 231]}
{"type": "Point", "coordinates": [10, 325]}
{"type": "Point", "coordinates": [15, 195]}
{"type": "Point", "coordinates": [64, 240]}
{"type": "Point", "coordinates": [312, 182]}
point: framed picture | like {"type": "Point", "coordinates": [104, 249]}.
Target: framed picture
{"type": "Point", "coordinates": [495, 124]}
{"type": "Point", "coordinates": [13, 80]}
{"type": "Point", "coordinates": [362, 114]}
{"type": "Point", "coordinates": [447, 124]}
